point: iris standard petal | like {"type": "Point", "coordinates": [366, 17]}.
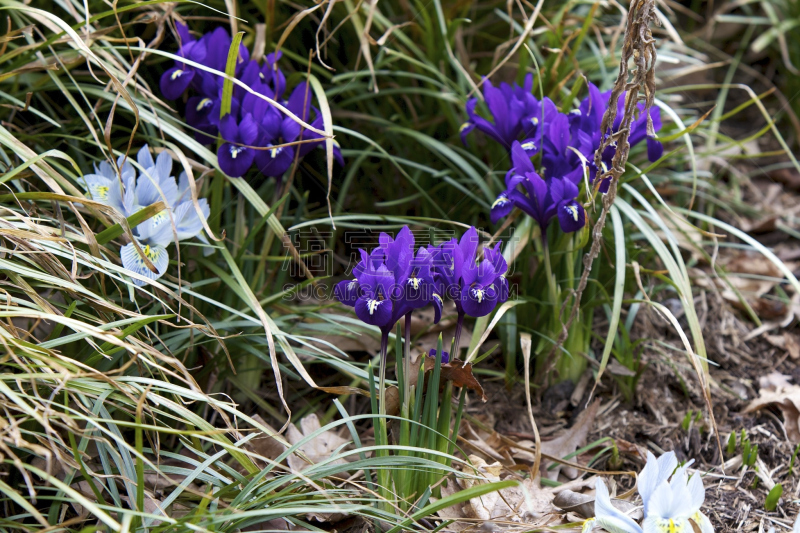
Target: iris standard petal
{"type": "Point", "coordinates": [150, 189]}
{"type": "Point", "coordinates": [144, 157]}
{"type": "Point", "coordinates": [299, 102]}
{"type": "Point", "coordinates": [469, 244]}
{"type": "Point", "coordinates": [696, 490]}
{"type": "Point", "coordinates": [183, 32]}
{"type": "Point", "coordinates": [248, 130]}
{"type": "Point", "coordinates": [655, 472]}
{"type": "Point", "coordinates": [228, 128]}
{"type": "Point", "coordinates": [495, 256]}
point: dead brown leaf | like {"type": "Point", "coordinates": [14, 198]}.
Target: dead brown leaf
{"type": "Point", "coordinates": [317, 449]}
{"type": "Point", "coordinates": [457, 371]}
{"type": "Point", "coordinates": [527, 503]}
{"type": "Point", "coordinates": [569, 441]}
{"type": "Point", "coordinates": [788, 342]}
{"type": "Point", "coordinates": [265, 445]}
{"type": "Point", "coordinates": [776, 390]}
{"type": "Point", "coordinates": [583, 504]}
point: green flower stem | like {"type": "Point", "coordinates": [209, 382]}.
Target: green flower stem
{"type": "Point", "coordinates": [382, 379]}
{"type": "Point", "coordinates": [407, 360]}
{"type": "Point", "coordinates": [456, 336]}
{"type": "Point", "coordinates": [548, 270]}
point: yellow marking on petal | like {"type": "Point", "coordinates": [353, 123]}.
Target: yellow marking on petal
{"type": "Point", "coordinates": [159, 217]}
{"type": "Point", "coordinates": [261, 75]}
{"type": "Point", "coordinates": [535, 121]}
{"type": "Point", "coordinates": [464, 126]}
{"type": "Point", "coordinates": [573, 210]}
{"type": "Point", "coordinates": [501, 200]}
{"type": "Point", "coordinates": [175, 75]}
{"type": "Point", "coordinates": [528, 146]}
{"type": "Point", "coordinates": [478, 294]}
{"type": "Point", "coordinates": [203, 103]}
{"type": "Point", "coordinates": [414, 282]}
{"type": "Point", "coordinates": [437, 298]}
{"type": "Point", "coordinates": [236, 150]}
{"type": "Point", "coordinates": [275, 151]}
{"type": "Point", "coordinates": [101, 192]}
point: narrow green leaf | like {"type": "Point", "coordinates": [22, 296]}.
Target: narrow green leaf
{"type": "Point", "coordinates": [230, 71]}
{"type": "Point", "coordinates": [619, 288]}
{"type": "Point", "coordinates": [112, 232]}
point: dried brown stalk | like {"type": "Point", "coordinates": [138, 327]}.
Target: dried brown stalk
{"type": "Point", "coordinates": [639, 48]}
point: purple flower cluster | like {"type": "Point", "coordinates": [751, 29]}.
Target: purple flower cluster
{"type": "Point", "coordinates": [254, 131]}
{"type": "Point", "coordinates": [566, 144]}
{"type": "Point", "coordinates": [392, 280]}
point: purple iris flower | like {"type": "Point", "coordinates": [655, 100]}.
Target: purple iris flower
{"type": "Point", "coordinates": [639, 128]}
{"type": "Point", "coordinates": [210, 50]}
{"type": "Point", "coordinates": [506, 110]}
{"type": "Point", "coordinates": [445, 355]}
{"type": "Point", "coordinates": [390, 281]}
{"type": "Point", "coordinates": [585, 122]}
{"type": "Point", "coordinates": [277, 130]}
{"type": "Point", "coordinates": [539, 198]}
{"type": "Point", "coordinates": [236, 154]}
{"type": "Point", "coordinates": [274, 130]}
{"type": "Point", "coordinates": [177, 79]}
{"type": "Point", "coordinates": [266, 79]}
{"type": "Point", "coordinates": [483, 283]}
{"type": "Point", "coordinates": [475, 286]}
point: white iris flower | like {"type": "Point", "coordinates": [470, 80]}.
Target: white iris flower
{"type": "Point", "coordinates": [671, 500]}
{"type": "Point", "coordinates": [179, 221]}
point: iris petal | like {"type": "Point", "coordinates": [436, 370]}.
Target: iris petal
{"type": "Point", "coordinates": [235, 160]}
{"type": "Point", "coordinates": [175, 81]}
{"type": "Point", "coordinates": [374, 311]}
{"type": "Point", "coordinates": [347, 292]}
{"type": "Point", "coordinates": [132, 261]}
